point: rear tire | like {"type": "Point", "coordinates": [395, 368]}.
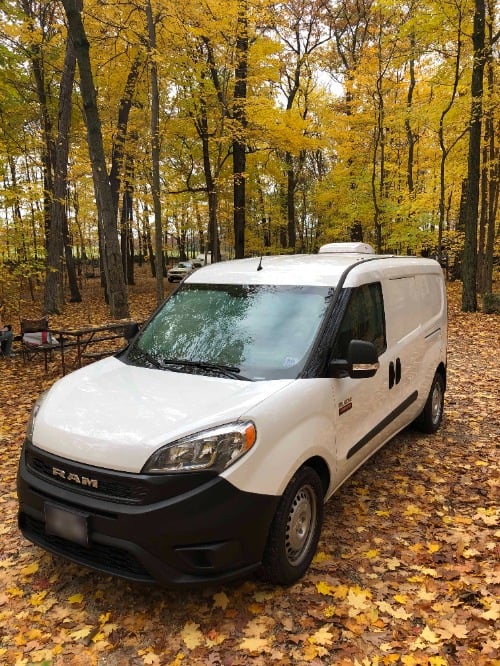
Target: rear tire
{"type": "Point", "coordinates": [295, 529]}
{"type": "Point", "coordinates": [432, 414]}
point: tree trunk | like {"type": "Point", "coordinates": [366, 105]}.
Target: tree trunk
{"type": "Point", "coordinates": [410, 135]}
{"type": "Point", "coordinates": [127, 241]}
{"type": "Point", "coordinates": [74, 289]}
{"type": "Point", "coordinates": [155, 153]}
{"type": "Point", "coordinates": [239, 142]}
{"type": "Point", "coordinates": [116, 171]}
{"type": "Point", "coordinates": [213, 228]}
{"type": "Point", "coordinates": [493, 160]}
{"type": "Point", "coordinates": [53, 296]}
{"type": "Point", "coordinates": [290, 202]}
{"type": "Point", "coordinates": [441, 135]}
{"type": "Point", "coordinates": [115, 282]}
{"type": "Point", "coordinates": [469, 268]}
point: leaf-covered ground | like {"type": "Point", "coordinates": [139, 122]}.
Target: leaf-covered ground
{"type": "Point", "coordinates": [407, 569]}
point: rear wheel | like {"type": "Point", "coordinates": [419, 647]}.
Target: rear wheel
{"type": "Point", "coordinates": [295, 529]}
{"type": "Point", "coordinates": [432, 414]}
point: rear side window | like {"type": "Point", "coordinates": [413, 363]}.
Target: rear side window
{"type": "Point", "coordinates": [363, 320]}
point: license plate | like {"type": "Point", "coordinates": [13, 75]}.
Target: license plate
{"type": "Point", "coordinates": [68, 524]}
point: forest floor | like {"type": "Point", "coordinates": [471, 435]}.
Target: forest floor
{"type": "Point", "coordinates": [406, 572]}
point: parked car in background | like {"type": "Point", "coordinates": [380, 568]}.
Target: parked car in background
{"type": "Point", "coordinates": [204, 259]}
{"type": "Point", "coordinates": [180, 270]}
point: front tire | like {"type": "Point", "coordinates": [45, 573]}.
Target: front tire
{"type": "Point", "coordinates": [432, 414]}
{"type": "Point", "coordinates": [295, 529]}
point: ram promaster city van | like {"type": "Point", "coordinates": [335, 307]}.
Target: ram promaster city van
{"type": "Point", "coordinates": [206, 448]}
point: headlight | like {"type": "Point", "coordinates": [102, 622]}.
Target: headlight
{"type": "Point", "coordinates": [34, 411]}
{"type": "Point", "coordinates": [213, 450]}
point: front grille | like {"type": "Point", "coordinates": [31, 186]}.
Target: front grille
{"type": "Point", "coordinates": [113, 486]}
{"type": "Point", "coordinates": [126, 488]}
{"type": "Point", "coordinates": [99, 556]}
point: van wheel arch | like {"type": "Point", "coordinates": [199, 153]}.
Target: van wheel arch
{"type": "Point", "coordinates": [431, 416]}
{"type": "Point", "coordinates": [295, 528]}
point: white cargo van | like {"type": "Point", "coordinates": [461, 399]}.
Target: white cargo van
{"type": "Point", "coordinates": [206, 448]}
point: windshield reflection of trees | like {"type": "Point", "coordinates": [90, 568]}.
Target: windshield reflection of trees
{"type": "Point", "coordinates": [266, 327]}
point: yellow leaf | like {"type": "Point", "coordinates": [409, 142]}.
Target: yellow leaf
{"type": "Point", "coordinates": [493, 613]}
{"type": "Point", "coordinates": [324, 588]}
{"type": "Point", "coordinates": [448, 629]}
{"type": "Point", "coordinates": [221, 600]}
{"type": "Point", "coordinates": [14, 592]}
{"type": "Point", "coordinates": [412, 510]}
{"type": "Point", "coordinates": [37, 598]}
{"type": "Point", "coordinates": [399, 613]}
{"type": "Point", "coordinates": [437, 661]}
{"type": "Point", "coordinates": [371, 554]}
{"type": "Point", "coordinates": [256, 609]}
{"type": "Point", "coordinates": [428, 635]}
{"type": "Point", "coordinates": [76, 599]}
{"type": "Point", "coordinates": [383, 514]}
{"type": "Point", "coordinates": [433, 547]}
{"type": "Point", "coordinates": [81, 633]}
{"type": "Point", "coordinates": [33, 634]}
{"type": "Point", "coordinates": [392, 564]}
{"type": "Point", "coordinates": [322, 636]}
{"type": "Point", "coordinates": [191, 635]}
{"type": "Point", "coordinates": [329, 611]}
{"type": "Point", "coordinates": [358, 601]}
{"type": "Point", "coordinates": [410, 660]}
{"type": "Point", "coordinates": [341, 592]}
{"type": "Point", "coordinates": [255, 645]}
{"type": "Point", "coordinates": [424, 595]}
{"type": "Point", "coordinates": [30, 569]}
{"type": "Point", "coordinates": [149, 657]}
{"type": "Point", "coordinates": [462, 520]}
{"type": "Point", "coordinates": [321, 557]}
{"type": "Point", "coordinates": [400, 598]}
{"type": "Point", "coordinates": [310, 652]}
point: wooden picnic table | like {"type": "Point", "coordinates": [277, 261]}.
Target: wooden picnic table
{"type": "Point", "coordinates": [81, 338]}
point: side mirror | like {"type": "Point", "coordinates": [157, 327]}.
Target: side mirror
{"type": "Point", "coordinates": [362, 361]}
{"type": "Point", "coordinates": [130, 331]}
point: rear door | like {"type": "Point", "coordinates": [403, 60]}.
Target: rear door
{"type": "Point", "coordinates": [414, 335]}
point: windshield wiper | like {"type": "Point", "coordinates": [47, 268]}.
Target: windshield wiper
{"type": "Point", "coordinates": [227, 370]}
{"type": "Point", "coordinates": [156, 363]}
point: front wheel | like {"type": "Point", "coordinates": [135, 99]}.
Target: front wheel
{"type": "Point", "coordinates": [432, 414]}
{"type": "Point", "coordinates": [295, 529]}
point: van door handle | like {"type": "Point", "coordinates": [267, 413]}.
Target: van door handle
{"type": "Point", "coordinates": [392, 375]}
{"type": "Point", "coordinates": [398, 370]}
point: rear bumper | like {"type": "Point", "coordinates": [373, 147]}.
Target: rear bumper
{"type": "Point", "coordinates": [207, 534]}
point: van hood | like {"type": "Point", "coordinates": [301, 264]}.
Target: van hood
{"type": "Point", "coordinates": [113, 415]}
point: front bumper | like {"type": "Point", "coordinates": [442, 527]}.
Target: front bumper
{"type": "Point", "coordinates": [170, 529]}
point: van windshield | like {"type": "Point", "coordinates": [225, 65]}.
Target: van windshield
{"type": "Point", "coordinates": [253, 332]}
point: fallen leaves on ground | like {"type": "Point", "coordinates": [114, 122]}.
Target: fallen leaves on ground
{"type": "Point", "coordinates": [406, 571]}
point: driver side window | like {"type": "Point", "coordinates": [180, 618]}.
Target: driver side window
{"type": "Point", "coordinates": [363, 320]}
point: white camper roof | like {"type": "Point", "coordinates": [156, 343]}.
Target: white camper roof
{"type": "Point", "coordinates": [323, 269]}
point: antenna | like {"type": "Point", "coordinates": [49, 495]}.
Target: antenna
{"type": "Point", "coordinates": [259, 267]}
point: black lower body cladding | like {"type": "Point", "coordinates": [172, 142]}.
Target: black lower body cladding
{"type": "Point", "coordinates": [206, 534]}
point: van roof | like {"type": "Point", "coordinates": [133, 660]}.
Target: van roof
{"type": "Point", "coordinates": [323, 269]}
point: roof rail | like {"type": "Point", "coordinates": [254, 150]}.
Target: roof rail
{"type": "Point", "coordinates": [349, 248]}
